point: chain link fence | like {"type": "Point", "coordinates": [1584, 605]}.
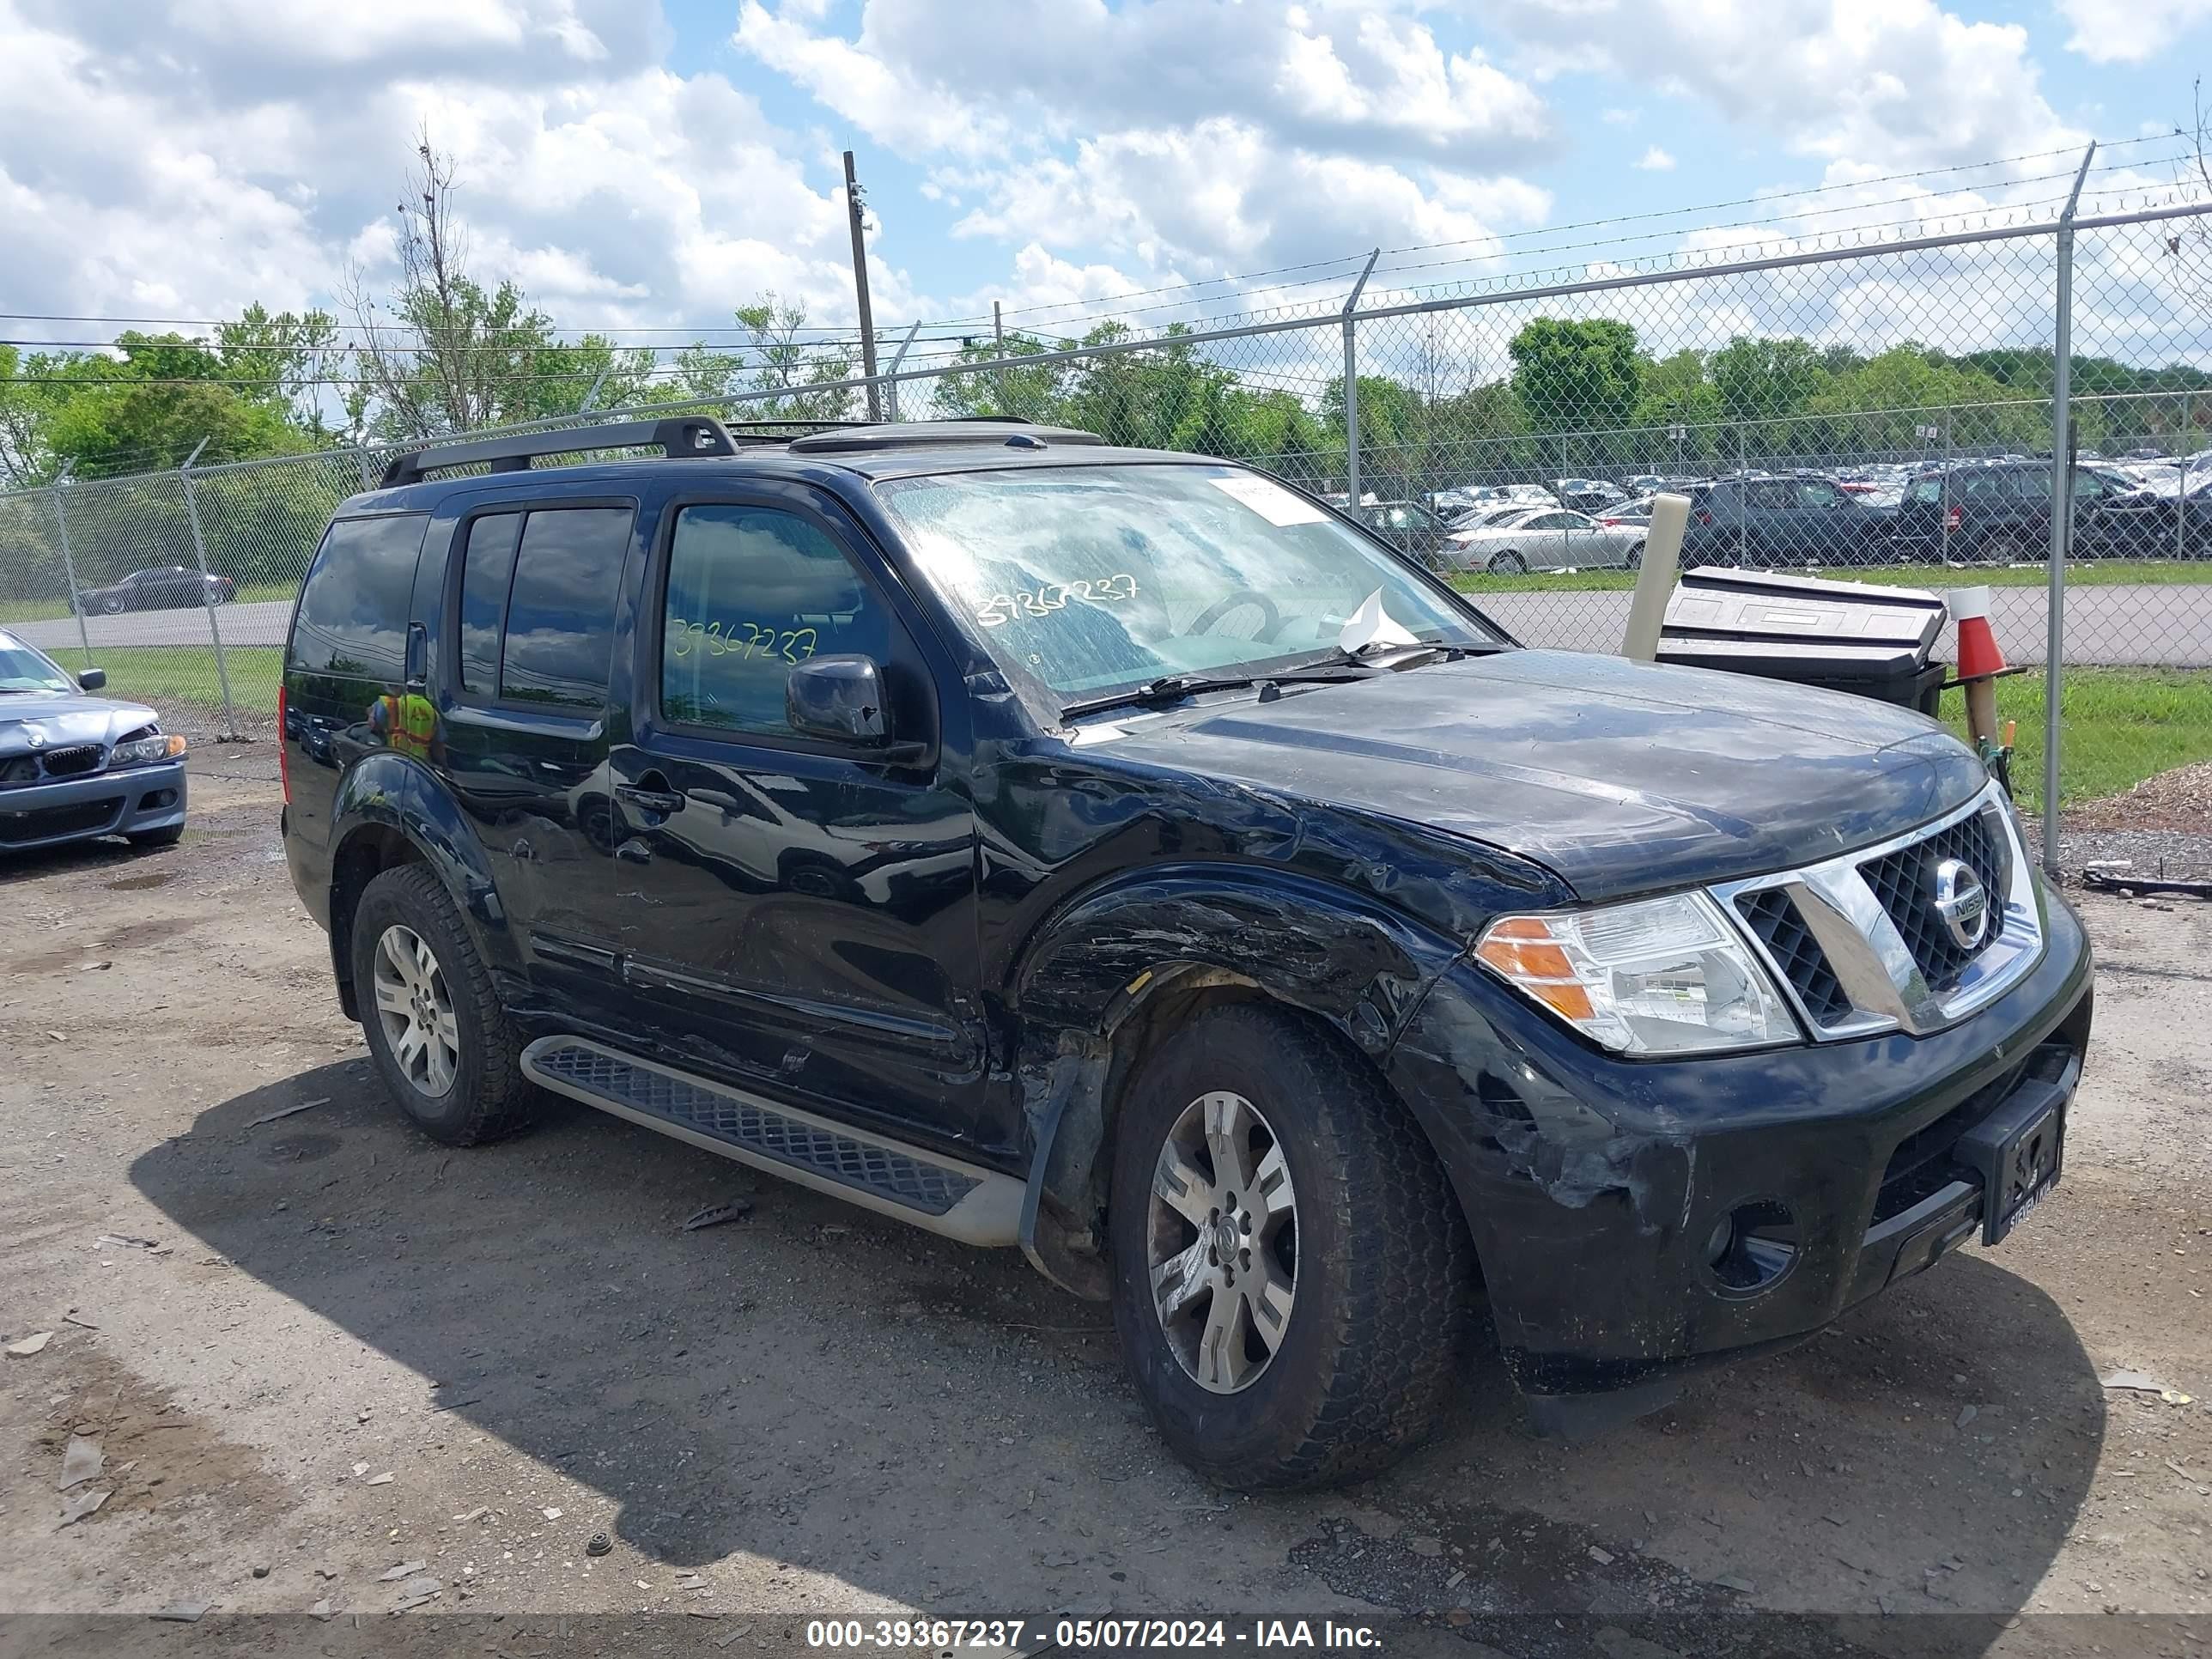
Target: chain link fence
{"type": "Point", "coordinates": [1880, 412]}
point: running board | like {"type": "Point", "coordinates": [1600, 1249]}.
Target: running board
{"type": "Point", "coordinates": [940, 1194]}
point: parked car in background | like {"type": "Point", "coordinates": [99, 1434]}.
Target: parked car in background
{"type": "Point", "coordinates": [1653, 483]}
{"type": "Point", "coordinates": [1999, 512]}
{"type": "Point", "coordinates": [74, 766]}
{"type": "Point", "coordinates": [164, 587]}
{"type": "Point", "coordinates": [1544, 538]}
{"type": "Point", "coordinates": [1782, 518]}
{"type": "Point", "coordinates": [1588, 495]}
{"type": "Point", "coordinates": [2153, 523]}
{"type": "Point", "coordinates": [1409, 526]}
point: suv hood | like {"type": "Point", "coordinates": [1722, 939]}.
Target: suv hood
{"type": "Point", "coordinates": [1621, 777]}
{"type": "Point", "coordinates": [60, 719]}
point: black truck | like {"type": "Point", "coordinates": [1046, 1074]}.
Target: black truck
{"type": "Point", "coordinates": [1122, 856]}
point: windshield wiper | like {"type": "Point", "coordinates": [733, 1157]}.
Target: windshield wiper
{"type": "Point", "coordinates": [1174, 687]}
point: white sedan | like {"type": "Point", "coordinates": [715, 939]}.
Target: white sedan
{"type": "Point", "coordinates": [1541, 538]}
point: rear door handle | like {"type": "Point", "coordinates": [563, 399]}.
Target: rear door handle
{"type": "Point", "coordinates": [651, 800]}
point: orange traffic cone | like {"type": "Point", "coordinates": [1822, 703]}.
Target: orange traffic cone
{"type": "Point", "coordinates": [1980, 660]}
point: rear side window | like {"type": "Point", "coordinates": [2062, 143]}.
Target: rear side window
{"type": "Point", "coordinates": [558, 636]}
{"type": "Point", "coordinates": [354, 610]}
{"type": "Point", "coordinates": [1925, 492]}
{"type": "Point", "coordinates": [751, 591]}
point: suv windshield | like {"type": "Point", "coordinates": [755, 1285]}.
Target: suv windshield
{"type": "Point", "coordinates": [23, 669]}
{"type": "Point", "coordinates": [1092, 578]}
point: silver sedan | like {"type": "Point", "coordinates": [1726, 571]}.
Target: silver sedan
{"type": "Point", "coordinates": [1540, 538]}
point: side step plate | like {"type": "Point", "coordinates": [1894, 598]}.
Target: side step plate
{"type": "Point", "coordinates": [974, 1206]}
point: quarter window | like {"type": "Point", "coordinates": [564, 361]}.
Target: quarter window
{"type": "Point", "coordinates": [753, 591]}
{"type": "Point", "coordinates": [353, 612]}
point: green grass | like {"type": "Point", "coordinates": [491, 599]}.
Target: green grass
{"type": "Point", "coordinates": [2097, 573]}
{"type": "Point", "coordinates": [56, 610]}
{"type": "Point", "coordinates": [159, 674]}
{"type": "Point", "coordinates": [2120, 726]}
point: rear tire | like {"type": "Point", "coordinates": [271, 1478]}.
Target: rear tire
{"type": "Point", "coordinates": [1635, 561]}
{"type": "Point", "coordinates": [431, 1014]}
{"type": "Point", "coordinates": [1508, 563]}
{"type": "Point", "coordinates": [1340, 1349]}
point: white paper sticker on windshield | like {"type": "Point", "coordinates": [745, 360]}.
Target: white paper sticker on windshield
{"type": "Point", "coordinates": [1268, 498]}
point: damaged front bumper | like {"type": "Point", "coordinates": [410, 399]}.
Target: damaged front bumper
{"type": "Point", "coordinates": [1638, 1220]}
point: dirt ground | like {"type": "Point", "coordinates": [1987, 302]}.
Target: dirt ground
{"type": "Point", "coordinates": [317, 1348]}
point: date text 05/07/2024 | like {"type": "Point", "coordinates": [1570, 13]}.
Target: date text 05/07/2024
{"type": "Point", "coordinates": [1035, 1635]}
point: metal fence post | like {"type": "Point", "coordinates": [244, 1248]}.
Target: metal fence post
{"type": "Point", "coordinates": [2181, 484]}
{"type": "Point", "coordinates": [1742, 502]}
{"type": "Point", "coordinates": [1943, 490]}
{"type": "Point", "coordinates": [2062, 511]}
{"type": "Point", "coordinates": [1352, 388]}
{"type": "Point", "coordinates": [207, 598]}
{"type": "Point", "coordinates": [69, 564]}
{"type": "Point", "coordinates": [369, 476]}
{"type": "Point", "coordinates": [998, 341]}
{"type": "Point", "coordinates": [891, 375]}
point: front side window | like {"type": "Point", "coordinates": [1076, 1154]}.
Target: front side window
{"type": "Point", "coordinates": [1818, 492]}
{"type": "Point", "coordinates": [1924, 492]}
{"type": "Point", "coordinates": [1088, 578]}
{"type": "Point", "coordinates": [751, 591]}
{"type": "Point", "coordinates": [487, 572]}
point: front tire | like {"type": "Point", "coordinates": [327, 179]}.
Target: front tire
{"type": "Point", "coordinates": [145, 840]}
{"type": "Point", "coordinates": [1508, 563]}
{"type": "Point", "coordinates": [432, 1016]}
{"type": "Point", "coordinates": [1293, 1283]}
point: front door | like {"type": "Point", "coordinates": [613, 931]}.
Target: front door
{"type": "Point", "coordinates": [803, 915]}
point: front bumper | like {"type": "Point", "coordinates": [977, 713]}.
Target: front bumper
{"type": "Point", "coordinates": [1593, 1186]}
{"type": "Point", "coordinates": [127, 801]}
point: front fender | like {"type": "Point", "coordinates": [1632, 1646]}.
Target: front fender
{"type": "Point", "coordinates": [1323, 948]}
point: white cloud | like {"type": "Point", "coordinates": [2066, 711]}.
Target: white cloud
{"type": "Point", "coordinates": [1898, 83]}
{"type": "Point", "coordinates": [1356, 75]}
{"type": "Point", "coordinates": [1654, 160]}
{"type": "Point", "coordinates": [1620, 118]}
{"type": "Point", "coordinates": [611, 188]}
{"type": "Point", "coordinates": [2130, 31]}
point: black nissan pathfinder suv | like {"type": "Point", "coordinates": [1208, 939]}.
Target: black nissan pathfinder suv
{"type": "Point", "coordinates": [1122, 856]}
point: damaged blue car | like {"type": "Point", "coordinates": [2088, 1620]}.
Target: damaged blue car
{"type": "Point", "coordinates": [74, 766]}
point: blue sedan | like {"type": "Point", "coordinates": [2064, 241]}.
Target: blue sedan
{"type": "Point", "coordinates": [73, 767]}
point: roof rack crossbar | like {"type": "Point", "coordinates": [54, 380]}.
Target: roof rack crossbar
{"type": "Point", "coordinates": [679, 437]}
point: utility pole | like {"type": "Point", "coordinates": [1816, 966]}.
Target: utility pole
{"type": "Point", "coordinates": [861, 290]}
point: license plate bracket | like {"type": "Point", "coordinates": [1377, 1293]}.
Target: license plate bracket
{"type": "Point", "coordinates": [2019, 1150]}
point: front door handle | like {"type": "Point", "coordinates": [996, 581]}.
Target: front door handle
{"type": "Point", "coordinates": [650, 800]}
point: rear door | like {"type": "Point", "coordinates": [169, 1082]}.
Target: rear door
{"type": "Point", "coordinates": [523, 705]}
{"type": "Point", "coordinates": [799, 912]}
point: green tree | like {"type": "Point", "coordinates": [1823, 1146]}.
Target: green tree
{"type": "Point", "coordinates": [1575, 376]}
{"type": "Point", "coordinates": [444, 354]}
{"type": "Point", "coordinates": [779, 362]}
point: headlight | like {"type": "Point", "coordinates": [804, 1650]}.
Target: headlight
{"type": "Point", "coordinates": [147, 749]}
{"type": "Point", "coordinates": [1655, 976]}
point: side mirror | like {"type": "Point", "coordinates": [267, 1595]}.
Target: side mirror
{"type": "Point", "coordinates": [92, 678]}
{"type": "Point", "coordinates": [838, 700]}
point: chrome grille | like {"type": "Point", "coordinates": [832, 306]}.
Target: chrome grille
{"type": "Point", "coordinates": [1858, 944]}
{"type": "Point", "coordinates": [1905, 882]}
{"type": "Point", "coordinates": [1796, 953]}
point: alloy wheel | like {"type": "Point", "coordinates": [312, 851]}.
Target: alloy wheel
{"type": "Point", "coordinates": [416, 1010]}
{"type": "Point", "coordinates": [1223, 1243]}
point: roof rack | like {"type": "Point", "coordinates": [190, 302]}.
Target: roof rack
{"type": "Point", "coordinates": [966, 430]}
{"type": "Point", "coordinates": [679, 437]}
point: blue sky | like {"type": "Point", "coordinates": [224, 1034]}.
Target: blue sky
{"type": "Point", "coordinates": [639, 166]}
